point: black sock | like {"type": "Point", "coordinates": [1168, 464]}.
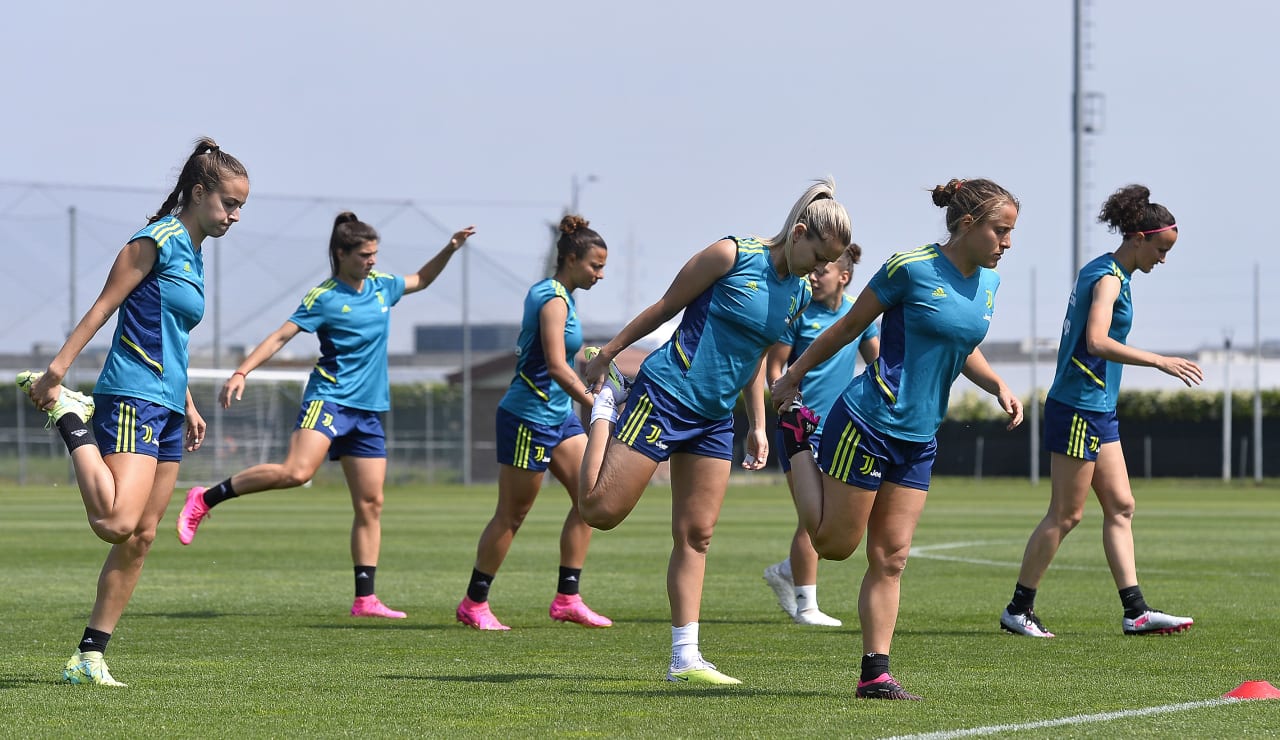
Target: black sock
{"type": "Point", "coordinates": [93, 640]}
{"type": "Point", "coordinates": [873, 665]}
{"type": "Point", "coordinates": [74, 432]}
{"type": "Point", "coordinates": [1134, 604]}
{"type": "Point", "coordinates": [569, 578]}
{"type": "Point", "coordinates": [478, 589]}
{"type": "Point", "coordinates": [1024, 599]}
{"type": "Point", "coordinates": [219, 493]}
{"type": "Point", "coordinates": [364, 580]}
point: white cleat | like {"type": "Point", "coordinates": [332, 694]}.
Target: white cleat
{"type": "Point", "coordinates": [1153, 622]}
{"type": "Point", "coordinates": [1027, 624]}
{"type": "Point", "coordinates": [816, 618]}
{"type": "Point", "coordinates": [778, 576]}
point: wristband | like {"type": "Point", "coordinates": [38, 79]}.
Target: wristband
{"type": "Point", "coordinates": [243, 375]}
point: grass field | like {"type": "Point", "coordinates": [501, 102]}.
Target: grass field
{"type": "Point", "coordinates": [244, 633]}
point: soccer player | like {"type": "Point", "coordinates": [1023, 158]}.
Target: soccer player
{"type": "Point", "coordinates": [127, 479]}
{"type": "Point", "coordinates": [875, 458]}
{"type": "Point", "coordinates": [738, 296]}
{"type": "Point", "coordinates": [345, 396]}
{"type": "Point", "coordinates": [1082, 433]}
{"type": "Point", "coordinates": [538, 429]}
{"type": "Point", "coordinates": [795, 580]}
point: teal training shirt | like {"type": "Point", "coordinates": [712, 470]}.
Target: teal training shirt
{"type": "Point", "coordinates": [935, 318]}
{"type": "Point", "coordinates": [1083, 381]}
{"type": "Point", "coordinates": [148, 356]}
{"type": "Point", "coordinates": [725, 331]}
{"type": "Point", "coordinates": [352, 327]}
{"type": "Point", "coordinates": [533, 395]}
{"type": "Point", "coordinates": [823, 384]}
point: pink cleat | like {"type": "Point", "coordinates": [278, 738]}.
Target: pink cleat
{"type": "Point", "coordinates": [478, 615]}
{"type": "Point", "coordinates": [566, 608]}
{"type": "Point", "coordinates": [193, 512]}
{"type": "Point", "coordinates": [371, 606]}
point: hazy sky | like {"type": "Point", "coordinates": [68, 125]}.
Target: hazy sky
{"type": "Point", "coordinates": [697, 119]}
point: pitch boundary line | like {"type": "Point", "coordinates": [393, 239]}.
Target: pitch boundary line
{"type": "Point", "coordinates": [1078, 719]}
{"type": "Point", "coordinates": [928, 552]}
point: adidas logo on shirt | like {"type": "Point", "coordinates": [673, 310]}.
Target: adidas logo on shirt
{"type": "Point", "coordinates": [938, 292]}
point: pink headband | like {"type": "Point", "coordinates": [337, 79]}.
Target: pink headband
{"type": "Point", "coordinates": [1148, 232]}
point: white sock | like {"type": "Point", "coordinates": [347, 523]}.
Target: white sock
{"type": "Point", "coordinates": [605, 407]}
{"type": "Point", "coordinates": [786, 568]}
{"type": "Point", "coordinates": [806, 598]}
{"type": "Point", "coordinates": [684, 644]}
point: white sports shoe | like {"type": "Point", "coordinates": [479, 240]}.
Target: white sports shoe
{"type": "Point", "coordinates": [1153, 622]}
{"type": "Point", "coordinates": [778, 576]}
{"type": "Point", "coordinates": [816, 618]}
{"type": "Point", "coordinates": [1023, 624]}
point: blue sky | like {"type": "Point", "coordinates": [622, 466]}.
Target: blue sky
{"type": "Point", "coordinates": [698, 119]}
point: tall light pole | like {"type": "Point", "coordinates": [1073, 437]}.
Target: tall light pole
{"type": "Point", "coordinates": [575, 190]}
{"type": "Point", "coordinates": [1086, 118]}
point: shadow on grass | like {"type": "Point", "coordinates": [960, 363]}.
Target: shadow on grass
{"type": "Point", "coordinates": [661, 690]}
{"type": "Point", "coordinates": [382, 624]}
{"type": "Point", "coordinates": [17, 683]}
{"type": "Point", "coordinates": [204, 614]}
{"type": "Point", "coordinates": [479, 678]}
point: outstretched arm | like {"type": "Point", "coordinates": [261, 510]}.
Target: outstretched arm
{"type": "Point", "coordinates": [846, 329]}
{"type": "Point", "coordinates": [698, 274]}
{"type": "Point", "coordinates": [430, 271]}
{"type": "Point", "coordinates": [132, 265]}
{"type": "Point", "coordinates": [266, 349]}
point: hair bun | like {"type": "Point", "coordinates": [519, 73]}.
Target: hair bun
{"type": "Point", "coordinates": [571, 223]}
{"type": "Point", "coordinates": [944, 194]}
{"type": "Point", "coordinates": [345, 217]}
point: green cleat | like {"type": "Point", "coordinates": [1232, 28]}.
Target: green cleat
{"type": "Point", "coordinates": [69, 401]}
{"type": "Point", "coordinates": [700, 672]}
{"type": "Point", "coordinates": [88, 668]}
{"type": "Point", "coordinates": [616, 382]}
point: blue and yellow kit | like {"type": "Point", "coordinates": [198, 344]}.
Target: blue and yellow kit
{"type": "Point", "coordinates": [352, 326]}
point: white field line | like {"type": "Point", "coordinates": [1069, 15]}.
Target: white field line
{"type": "Point", "coordinates": [1078, 719]}
{"type": "Point", "coordinates": [928, 552]}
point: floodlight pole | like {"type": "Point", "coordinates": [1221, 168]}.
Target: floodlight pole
{"type": "Point", "coordinates": [1077, 139]}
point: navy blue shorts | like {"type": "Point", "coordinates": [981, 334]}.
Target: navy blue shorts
{"type": "Point", "coordinates": [1078, 433]}
{"type": "Point", "coordinates": [124, 424]}
{"type": "Point", "coordinates": [527, 445]}
{"type": "Point", "coordinates": [852, 452]}
{"type": "Point", "coordinates": [658, 426]}
{"type": "Point", "coordinates": [351, 432]}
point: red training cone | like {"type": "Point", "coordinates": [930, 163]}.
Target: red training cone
{"type": "Point", "coordinates": [1254, 690]}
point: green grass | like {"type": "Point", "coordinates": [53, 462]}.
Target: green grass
{"type": "Point", "coordinates": [244, 633]}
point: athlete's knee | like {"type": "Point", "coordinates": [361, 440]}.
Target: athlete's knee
{"type": "Point", "coordinates": [292, 477]}
{"type": "Point", "coordinates": [696, 538]}
{"type": "Point", "coordinates": [1122, 508]}
{"type": "Point", "coordinates": [887, 563]}
{"type": "Point", "coordinates": [370, 507]}
{"type": "Point", "coordinates": [596, 513]}
{"type": "Point", "coordinates": [834, 549]}
{"type": "Point", "coordinates": [111, 530]}
{"type": "Point", "coordinates": [832, 544]}
{"type": "Point", "coordinates": [1065, 520]}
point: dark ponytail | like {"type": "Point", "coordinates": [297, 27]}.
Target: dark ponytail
{"type": "Point", "coordinates": [576, 238]}
{"type": "Point", "coordinates": [349, 233]}
{"type": "Point", "coordinates": [1130, 211]}
{"type": "Point", "coordinates": [208, 165]}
